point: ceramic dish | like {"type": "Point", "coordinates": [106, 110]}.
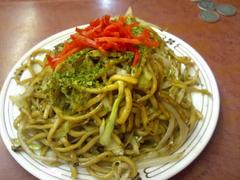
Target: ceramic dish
{"type": "Point", "coordinates": [197, 141]}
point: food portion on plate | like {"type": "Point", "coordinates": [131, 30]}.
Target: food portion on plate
{"type": "Point", "coordinates": [112, 98]}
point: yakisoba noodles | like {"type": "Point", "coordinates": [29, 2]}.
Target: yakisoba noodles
{"type": "Point", "coordinates": [112, 101]}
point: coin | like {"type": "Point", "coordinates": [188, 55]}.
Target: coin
{"type": "Point", "coordinates": [226, 9]}
{"type": "Point", "coordinates": [207, 5]}
{"type": "Point", "coordinates": [209, 16]}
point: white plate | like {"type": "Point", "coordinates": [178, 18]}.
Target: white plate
{"type": "Point", "coordinates": [197, 141]}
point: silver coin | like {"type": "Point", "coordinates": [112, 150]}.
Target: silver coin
{"type": "Point", "coordinates": [226, 9]}
{"type": "Point", "coordinates": [209, 16]}
{"type": "Point", "coordinates": [207, 5]}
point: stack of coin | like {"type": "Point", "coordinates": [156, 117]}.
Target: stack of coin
{"type": "Point", "coordinates": [209, 10]}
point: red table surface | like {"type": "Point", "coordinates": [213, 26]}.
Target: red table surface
{"type": "Point", "coordinates": [25, 23]}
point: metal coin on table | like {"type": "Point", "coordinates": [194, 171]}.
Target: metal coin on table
{"type": "Point", "coordinates": [207, 5]}
{"type": "Point", "coordinates": [226, 9]}
{"type": "Point", "coordinates": [209, 16]}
